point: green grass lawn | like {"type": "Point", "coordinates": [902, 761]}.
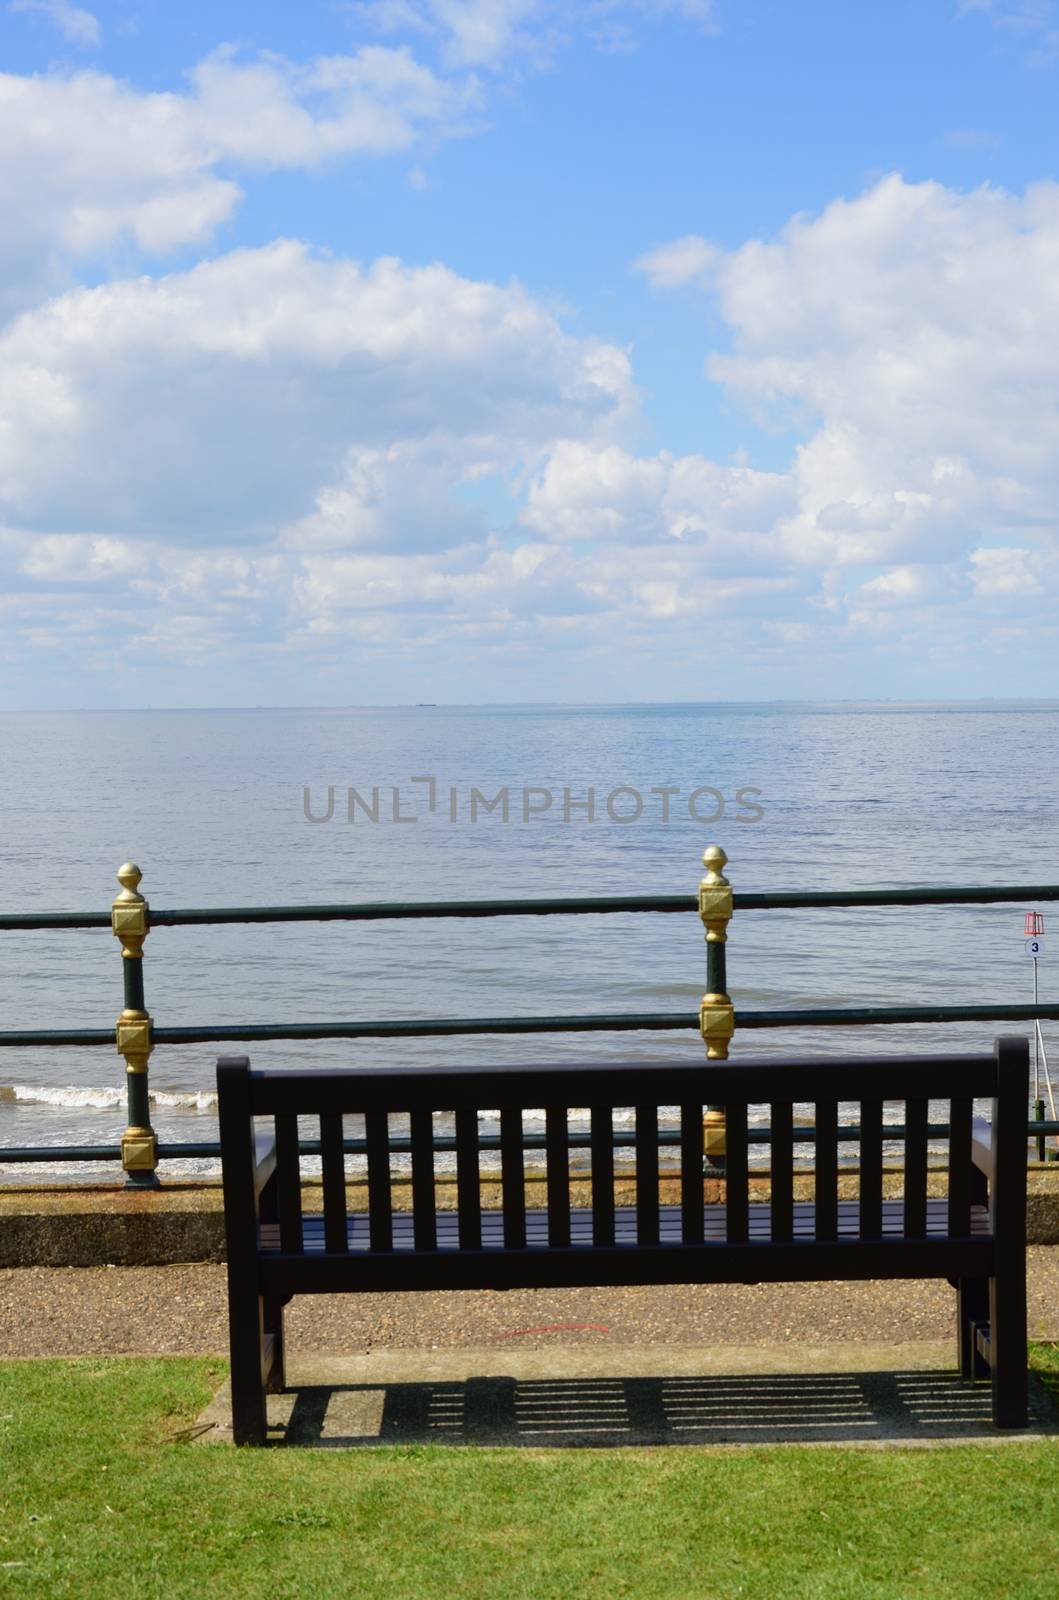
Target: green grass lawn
{"type": "Point", "coordinates": [101, 1497]}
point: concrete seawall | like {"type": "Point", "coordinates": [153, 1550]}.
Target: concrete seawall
{"type": "Point", "coordinates": [96, 1225]}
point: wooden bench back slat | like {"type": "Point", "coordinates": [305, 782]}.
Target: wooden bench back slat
{"type": "Point", "coordinates": [735, 1167]}
{"type": "Point", "coordinates": [960, 1118]}
{"type": "Point", "coordinates": [424, 1209]}
{"type": "Point", "coordinates": [513, 1178]}
{"type": "Point", "coordinates": [781, 1169]}
{"type": "Point", "coordinates": [692, 1229]}
{"type": "Point", "coordinates": [333, 1162]}
{"type": "Point", "coordinates": [616, 1083]}
{"type": "Point", "coordinates": [826, 1163]}
{"type": "Point", "coordinates": [871, 1125]}
{"type": "Point", "coordinates": [557, 1151]}
{"type": "Point", "coordinates": [647, 1174]}
{"type": "Point", "coordinates": [380, 1204]}
{"type": "Point", "coordinates": [468, 1180]}
{"type": "Point", "coordinates": [602, 1132]}
{"type": "Point", "coordinates": [288, 1184]}
{"type": "Point", "coordinates": [916, 1168]}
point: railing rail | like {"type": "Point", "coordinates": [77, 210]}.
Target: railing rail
{"type": "Point", "coordinates": [846, 1133]}
{"type": "Point", "coordinates": [600, 1022]}
{"type": "Point", "coordinates": [131, 919]}
{"type": "Point", "coordinates": [543, 906]}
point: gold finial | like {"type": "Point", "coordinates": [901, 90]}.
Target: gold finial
{"type": "Point", "coordinates": [128, 913]}
{"type": "Point", "coordinates": [715, 895]}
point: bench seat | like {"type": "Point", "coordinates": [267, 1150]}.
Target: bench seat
{"type": "Point", "coordinates": [670, 1226]}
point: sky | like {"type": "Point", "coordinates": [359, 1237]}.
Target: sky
{"type": "Point", "coordinates": [508, 350]}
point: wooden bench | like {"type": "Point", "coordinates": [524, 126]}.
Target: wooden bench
{"type": "Point", "coordinates": [974, 1237]}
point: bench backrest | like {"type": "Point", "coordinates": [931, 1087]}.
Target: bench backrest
{"type": "Point", "coordinates": [418, 1093]}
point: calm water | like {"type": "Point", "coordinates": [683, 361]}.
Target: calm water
{"type": "Point", "coordinates": [211, 805]}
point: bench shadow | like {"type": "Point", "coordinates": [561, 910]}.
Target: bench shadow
{"type": "Point", "coordinates": [822, 1408]}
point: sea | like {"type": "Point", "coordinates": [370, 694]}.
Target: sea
{"type": "Point", "coordinates": [300, 806]}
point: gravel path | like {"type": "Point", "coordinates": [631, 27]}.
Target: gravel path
{"type": "Point", "coordinates": [180, 1310]}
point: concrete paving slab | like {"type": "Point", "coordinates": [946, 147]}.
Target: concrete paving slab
{"type": "Point", "coordinates": [735, 1396]}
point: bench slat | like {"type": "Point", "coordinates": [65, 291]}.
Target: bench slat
{"type": "Point", "coordinates": [380, 1202]}
{"type": "Point", "coordinates": [513, 1178]}
{"type": "Point", "coordinates": [602, 1175]}
{"type": "Point", "coordinates": [647, 1174]}
{"type": "Point", "coordinates": [468, 1184]}
{"type": "Point", "coordinates": [288, 1182]}
{"type": "Point", "coordinates": [871, 1125]}
{"type": "Point", "coordinates": [333, 1161]}
{"type": "Point", "coordinates": [665, 1082]}
{"type": "Point", "coordinates": [424, 1209]}
{"type": "Point", "coordinates": [670, 1229]}
{"type": "Point", "coordinates": [826, 1163]}
{"type": "Point", "coordinates": [557, 1150]}
{"type": "Point", "coordinates": [961, 1112]}
{"type": "Point", "coordinates": [781, 1164]}
{"type": "Point", "coordinates": [691, 1190]}
{"type": "Point", "coordinates": [915, 1168]}
{"type": "Point", "coordinates": [735, 1170]}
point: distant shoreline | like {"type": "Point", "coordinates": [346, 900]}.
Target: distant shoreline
{"type": "Point", "coordinates": [999, 704]}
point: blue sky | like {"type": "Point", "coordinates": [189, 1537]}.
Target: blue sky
{"type": "Point", "coordinates": [489, 350]}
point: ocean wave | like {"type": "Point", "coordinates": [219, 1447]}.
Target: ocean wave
{"type": "Point", "coordinates": [95, 1099]}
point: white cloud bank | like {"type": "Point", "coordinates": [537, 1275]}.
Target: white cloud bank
{"type": "Point", "coordinates": [218, 404]}
{"type": "Point", "coordinates": [325, 458]}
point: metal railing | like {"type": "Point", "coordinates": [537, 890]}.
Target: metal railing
{"type": "Point", "coordinates": [131, 920]}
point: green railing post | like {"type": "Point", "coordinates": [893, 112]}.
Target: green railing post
{"type": "Point", "coordinates": [716, 1014]}
{"type": "Point", "coordinates": [128, 921]}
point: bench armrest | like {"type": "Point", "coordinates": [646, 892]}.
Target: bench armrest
{"type": "Point", "coordinates": [982, 1147]}
{"type": "Point", "coordinates": [264, 1157]}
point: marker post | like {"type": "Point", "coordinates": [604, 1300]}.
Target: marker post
{"type": "Point", "coordinates": [1033, 929]}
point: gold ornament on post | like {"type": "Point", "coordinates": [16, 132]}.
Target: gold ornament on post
{"type": "Point", "coordinates": [716, 1013]}
{"type": "Point", "coordinates": [128, 921]}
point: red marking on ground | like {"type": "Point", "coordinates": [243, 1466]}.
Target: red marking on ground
{"type": "Point", "coordinates": [558, 1327]}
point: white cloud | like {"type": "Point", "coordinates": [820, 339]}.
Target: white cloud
{"type": "Point", "coordinates": [492, 34]}
{"type": "Point", "coordinates": [76, 25]}
{"type": "Point", "coordinates": [602, 493]}
{"type": "Point", "coordinates": [92, 164]}
{"type": "Point", "coordinates": [1007, 573]}
{"type": "Point", "coordinates": [471, 33]}
{"type": "Point", "coordinates": [904, 586]}
{"type": "Point", "coordinates": [218, 405]}
{"type": "Point", "coordinates": [681, 261]}
{"type": "Point", "coordinates": [971, 139]}
{"type": "Point", "coordinates": [1029, 22]}
{"type": "Point", "coordinates": [918, 329]}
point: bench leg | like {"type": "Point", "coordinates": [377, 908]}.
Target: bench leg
{"type": "Point", "coordinates": [246, 1344]}
{"type": "Point", "coordinates": [1007, 1338]}
{"type": "Point", "coordinates": [972, 1307]}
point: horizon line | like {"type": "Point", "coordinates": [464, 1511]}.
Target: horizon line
{"type": "Point", "coordinates": [994, 701]}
